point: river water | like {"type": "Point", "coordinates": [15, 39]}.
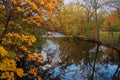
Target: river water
{"type": "Point", "coordinates": [69, 58]}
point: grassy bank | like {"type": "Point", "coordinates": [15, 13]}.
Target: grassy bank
{"type": "Point", "coordinates": [112, 37]}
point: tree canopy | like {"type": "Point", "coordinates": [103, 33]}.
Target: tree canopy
{"type": "Point", "coordinates": [19, 23]}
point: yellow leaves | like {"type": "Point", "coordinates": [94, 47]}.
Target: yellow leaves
{"type": "Point", "coordinates": [7, 65]}
{"type": "Point", "coordinates": [24, 38]}
{"type": "Point", "coordinates": [29, 43]}
{"type": "Point", "coordinates": [33, 39]}
{"type": "Point", "coordinates": [32, 4]}
{"type": "Point", "coordinates": [12, 38]}
{"type": "Point", "coordinates": [15, 38]}
{"type": "Point", "coordinates": [19, 72]}
{"type": "Point", "coordinates": [36, 20]}
{"type": "Point", "coordinates": [42, 2]}
{"type": "Point", "coordinates": [3, 52]}
{"type": "Point", "coordinates": [28, 38]}
{"type": "Point", "coordinates": [31, 57]}
{"type": "Point", "coordinates": [7, 75]}
{"type": "Point", "coordinates": [15, 25]}
{"type": "Point", "coordinates": [25, 49]}
{"type": "Point", "coordinates": [50, 5]}
{"type": "Point", "coordinates": [35, 57]}
{"type": "Point", "coordinates": [19, 9]}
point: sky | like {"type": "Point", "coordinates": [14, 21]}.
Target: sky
{"type": "Point", "coordinates": [107, 7]}
{"type": "Point", "coordinates": [67, 1]}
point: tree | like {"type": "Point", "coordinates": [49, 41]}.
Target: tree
{"type": "Point", "coordinates": [116, 5]}
{"type": "Point", "coordinates": [96, 19]}
{"type": "Point", "coordinates": [93, 7]}
{"type": "Point", "coordinates": [19, 21]}
{"type": "Point", "coordinates": [71, 20]}
{"type": "Point", "coordinates": [33, 12]}
{"type": "Point", "coordinates": [112, 21]}
{"type": "Point", "coordinates": [88, 10]}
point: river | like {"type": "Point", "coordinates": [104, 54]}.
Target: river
{"type": "Point", "coordinates": [68, 58]}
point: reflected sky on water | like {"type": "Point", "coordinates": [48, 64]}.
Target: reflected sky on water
{"type": "Point", "coordinates": [73, 59]}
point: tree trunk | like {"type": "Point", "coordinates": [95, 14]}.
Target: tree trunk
{"type": "Point", "coordinates": [5, 31]}
{"type": "Point", "coordinates": [8, 17]}
{"type": "Point", "coordinates": [96, 21]}
{"type": "Point", "coordinates": [95, 60]}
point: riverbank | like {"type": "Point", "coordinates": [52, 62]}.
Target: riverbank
{"type": "Point", "coordinates": [109, 44]}
{"type": "Point", "coordinates": [106, 38]}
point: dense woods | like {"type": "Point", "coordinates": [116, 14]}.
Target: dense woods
{"type": "Point", "coordinates": [23, 22]}
{"type": "Point", "coordinates": [85, 20]}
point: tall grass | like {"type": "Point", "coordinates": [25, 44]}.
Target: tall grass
{"type": "Point", "coordinates": [112, 37]}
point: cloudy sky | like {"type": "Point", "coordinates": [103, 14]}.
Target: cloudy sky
{"type": "Point", "coordinates": [67, 1]}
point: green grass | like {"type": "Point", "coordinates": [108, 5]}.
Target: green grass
{"type": "Point", "coordinates": [112, 37]}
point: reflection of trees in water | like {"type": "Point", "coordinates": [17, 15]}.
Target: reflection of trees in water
{"type": "Point", "coordinates": [110, 55]}
{"type": "Point", "coordinates": [78, 52]}
{"type": "Point", "coordinates": [116, 75]}
{"type": "Point", "coordinates": [73, 50]}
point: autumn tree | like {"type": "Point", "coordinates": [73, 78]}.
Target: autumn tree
{"type": "Point", "coordinates": [19, 25]}
{"type": "Point", "coordinates": [92, 9]}
{"type": "Point", "coordinates": [71, 20]}
{"type": "Point", "coordinates": [112, 22]}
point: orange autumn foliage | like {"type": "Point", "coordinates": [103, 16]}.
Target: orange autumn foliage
{"type": "Point", "coordinates": [19, 20]}
{"type": "Point", "coordinates": [35, 57]}
{"type": "Point", "coordinates": [112, 19]}
{"type": "Point", "coordinates": [33, 71]}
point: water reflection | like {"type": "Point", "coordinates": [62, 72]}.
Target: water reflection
{"type": "Point", "coordinates": [74, 59]}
